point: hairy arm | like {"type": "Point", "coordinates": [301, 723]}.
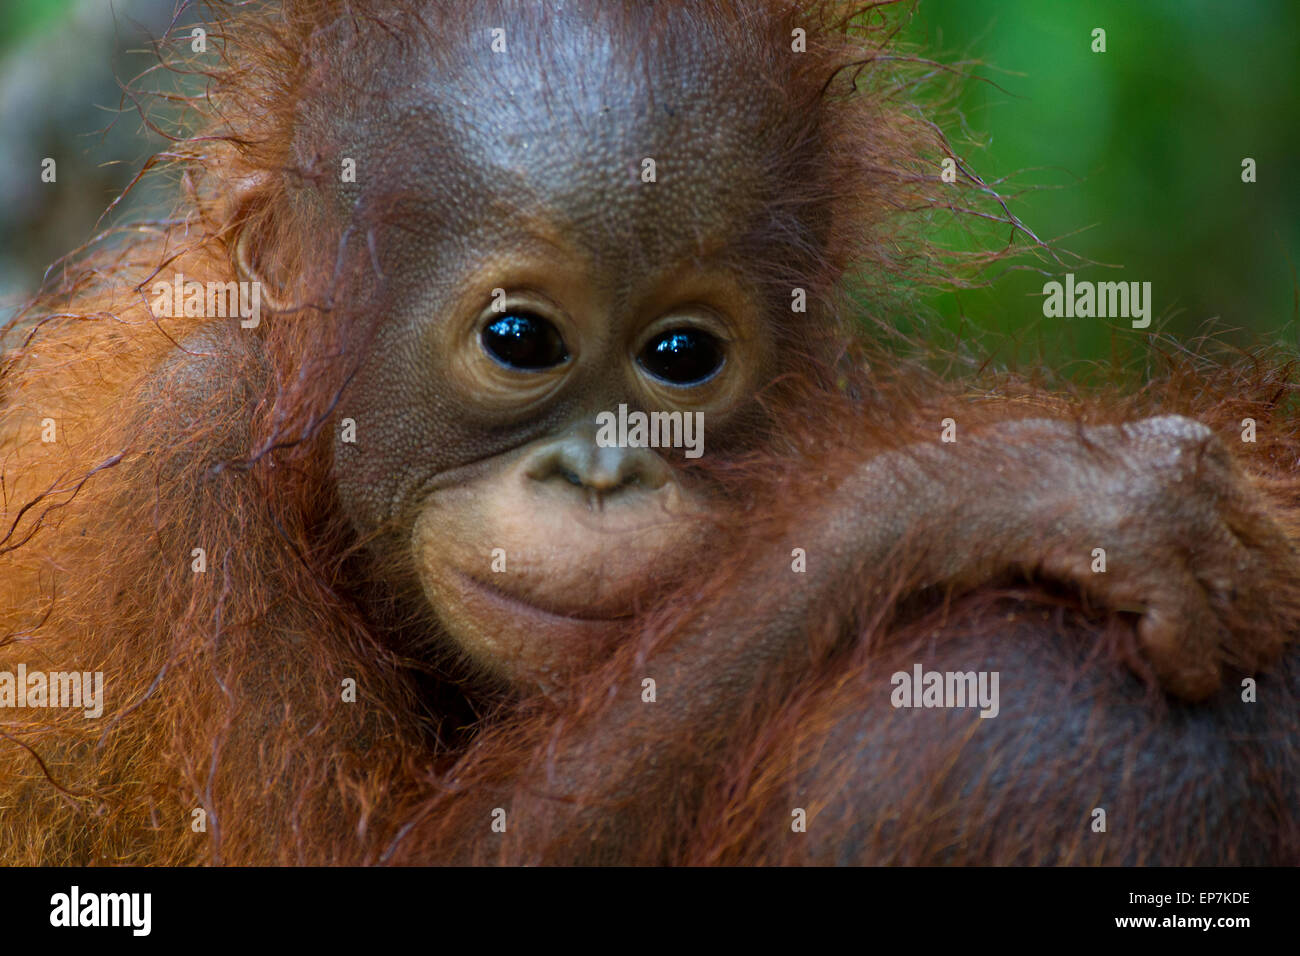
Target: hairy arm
{"type": "Point", "coordinates": [1189, 548]}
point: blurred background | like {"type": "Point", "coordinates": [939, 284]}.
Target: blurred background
{"type": "Point", "coordinates": [1129, 158]}
{"type": "Point", "coordinates": [1136, 153]}
{"type": "Point", "coordinates": [60, 66]}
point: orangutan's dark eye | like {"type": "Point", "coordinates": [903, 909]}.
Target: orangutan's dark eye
{"type": "Point", "coordinates": [524, 341]}
{"type": "Point", "coordinates": [682, 356]}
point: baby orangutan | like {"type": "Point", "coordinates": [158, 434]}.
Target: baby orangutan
{"type": "Point", "coordinates": [365, 587]}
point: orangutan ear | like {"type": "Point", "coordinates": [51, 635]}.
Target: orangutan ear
{"type": "Point", "coordinates": [253, 235]}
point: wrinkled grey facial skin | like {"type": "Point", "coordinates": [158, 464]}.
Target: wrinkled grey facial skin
{"type": "Point", "coordinates": [523, 170]}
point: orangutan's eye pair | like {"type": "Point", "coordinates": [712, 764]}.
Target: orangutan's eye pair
{"type": "Point", "coordinates": [681, 356]}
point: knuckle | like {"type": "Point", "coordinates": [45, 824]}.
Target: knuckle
{"type": "Point", "coordinates": [1181, 451]}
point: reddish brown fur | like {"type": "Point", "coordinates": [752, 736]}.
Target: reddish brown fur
{"type": "Point", "coordinates": [224, 688]}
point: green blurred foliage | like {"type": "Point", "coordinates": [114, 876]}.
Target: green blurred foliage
{"type": "Point", "coordinates": [22, 17]}
{"type": "Point", "coordinates": [1136, 155]}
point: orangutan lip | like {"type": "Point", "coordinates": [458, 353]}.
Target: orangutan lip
{"type": "Point", "coordinates": [519, 605]}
